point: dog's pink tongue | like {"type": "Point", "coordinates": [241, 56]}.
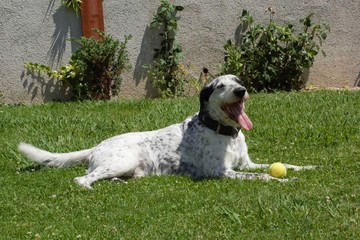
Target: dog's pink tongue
{"type": "Point", "coordinates": [244, 121]}
{"type": "Point", "coordinates": [241, 117]}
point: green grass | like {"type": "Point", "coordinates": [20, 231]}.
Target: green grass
{"type": "Point", "coordinates": [299, 128]}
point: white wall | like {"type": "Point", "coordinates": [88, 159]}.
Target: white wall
{"type": "Point", "coordinates": [37, 31]}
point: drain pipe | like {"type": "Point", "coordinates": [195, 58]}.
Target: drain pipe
{"type": "Point", "coordinates": [92, 17]}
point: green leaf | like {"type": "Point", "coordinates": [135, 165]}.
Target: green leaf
{"type": "Point", "coordinates": [153, 24]}
{"type": "Point", "coordinates": [323, 35]}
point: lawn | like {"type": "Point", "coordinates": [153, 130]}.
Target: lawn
{"type": "Point", "coordinates": [319, 128]}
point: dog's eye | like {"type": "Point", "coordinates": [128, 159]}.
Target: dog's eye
{"type": "Point", "coordinates": [221, 86]}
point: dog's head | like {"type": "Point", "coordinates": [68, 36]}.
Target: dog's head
{"type": "Point", "coordinates": [224, 100]}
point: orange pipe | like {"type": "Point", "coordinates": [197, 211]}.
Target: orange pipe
{"type": "Point", "coordinates": [92, 17]}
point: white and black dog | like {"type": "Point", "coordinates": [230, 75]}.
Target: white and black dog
{"type": "Point", "coordinates": [208, 144]}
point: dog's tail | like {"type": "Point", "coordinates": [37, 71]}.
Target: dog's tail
{"type": "Point", "coordinates": [59, 160]}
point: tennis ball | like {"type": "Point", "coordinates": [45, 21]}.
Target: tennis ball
{"type": "Point", "coordinates": [277, 170]}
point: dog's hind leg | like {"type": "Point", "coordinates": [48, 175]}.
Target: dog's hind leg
{"type": "Point", "coordinates": [97, 174]}
{"type": "Point", "coordinates": [112, 168]}
{"type": "Point", "coordinates": [100, 173]}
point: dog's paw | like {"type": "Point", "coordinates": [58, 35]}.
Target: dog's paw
{"type": "Point", "coordinates": [280, 179]}
{"type": "Point", "coordinates": [310, 167]}
{"type": "Point", "coordinates": [81, 181]}
{"type": "Point", "coordinates": [314, 167]}
{"type": "Point", "coordinates": [116, 179]}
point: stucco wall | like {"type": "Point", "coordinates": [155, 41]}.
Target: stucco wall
{"type": "Point", "coordinates": [33, 31]}
{"type": "Point", "coordinates": [37, 31]}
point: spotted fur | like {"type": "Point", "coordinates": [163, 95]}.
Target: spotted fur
{"type": "Point", "coordinates": [187, 148]}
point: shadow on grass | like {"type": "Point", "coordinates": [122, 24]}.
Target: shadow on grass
{"type": "Point", "coordinates": [30, 168]}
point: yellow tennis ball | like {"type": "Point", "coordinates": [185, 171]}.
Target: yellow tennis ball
{"type": "Point", "coordinates": [277, 170]}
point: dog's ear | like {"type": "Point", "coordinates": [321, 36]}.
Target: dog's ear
{"type": "Point", "coordinates": [204, 96]}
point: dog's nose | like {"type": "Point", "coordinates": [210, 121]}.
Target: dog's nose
{"type": "Point", "coordinates": [240, 92]}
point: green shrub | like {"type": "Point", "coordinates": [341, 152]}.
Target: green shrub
{"type": "Point", "coordinates": [165, 73]}
{"type": "Point", "coordinates": [94, 70]}
{"type": "Point", "coordinates": [72, 4]}
{"type": "Point", "coordinates": [273, 56]}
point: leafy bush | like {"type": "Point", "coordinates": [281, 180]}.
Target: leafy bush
{"type": "Point", "coordinates": [94, 70]}
{"type": "Point", "coordinates": [72, 4]}
{"type": "Point", "coordinates": [273, 57]}
{"type": "Point", "coordinates": [165, 74]}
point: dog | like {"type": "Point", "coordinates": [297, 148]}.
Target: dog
{"type": "Point", "coordinates": [209, 144]}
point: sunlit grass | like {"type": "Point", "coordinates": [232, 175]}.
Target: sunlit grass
{"type": "Point", "coordinates": [319, 128]}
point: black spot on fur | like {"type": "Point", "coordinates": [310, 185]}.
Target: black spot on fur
{"type": "Point", "coordinates": [204, 97]}
{"type": "Point", "coordinates": [236, 79]}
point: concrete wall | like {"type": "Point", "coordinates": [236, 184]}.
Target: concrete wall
{"type": "Point", "coordinates": [34, 31]}
{"type": "Point", "coordinates": [37, 31]}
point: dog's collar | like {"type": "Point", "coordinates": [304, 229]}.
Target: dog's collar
{"type": "Point", "coordinates": [214, 125]}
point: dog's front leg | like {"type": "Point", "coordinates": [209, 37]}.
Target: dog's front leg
{"type": "Point", "coordinates": [299, 168]}
{"type": "Point", "coordinates": [251, 176]}
{"type": "Point", "coordinates": [246, 163]}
